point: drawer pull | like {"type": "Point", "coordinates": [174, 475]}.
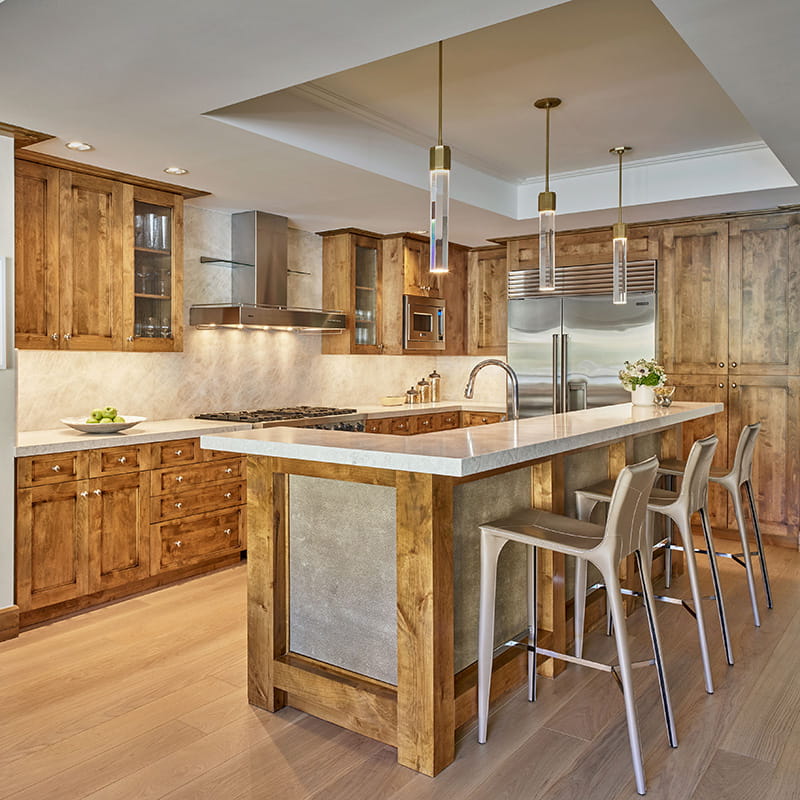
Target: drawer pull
{"type": "Point", "coordinates": [179, 452]}
{"type": "Point", "coordinates": [67, 336]}
{"type": "Point", "coordinates": [178, 505]}
{"type": "Point", "coordinates": [122, 460]}
{"type": "Point", "coordinates": [426, 422]}
{"type": "Point", "coordinates": [130, 338]}
{"type": "Point", "coordinates": [722, 386]}
{"type": "Point", "coordinates": [98, 492]}
{"type": "Point", "coordinates": [722, 363]}
{"type": "Point", "coordinates": [179, 478]}
{"type": "Point", "coordinates": [229, 471]}
{"type": "Point", "coordinates": [56, 468]}
{"type": "Point", "coordinates": [84, 494]}
{"type": "Point", "coordinates": [179, 543]}
{"type": "Point", "coordinates": [227, 531]}
{"type": "Point", "coordinates": [733, 386]}
{"type": "Point", "coordinates": [484, 419]}
{"type": "Point", "coordinates": [54, 337]}
{"type": "Point", "coordinates": [228, 495]}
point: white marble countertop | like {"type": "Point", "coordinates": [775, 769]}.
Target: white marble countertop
{"type": "Point", "coordinates": [462, 451]}
{"type": "Point", "coordinates": [61, 440]}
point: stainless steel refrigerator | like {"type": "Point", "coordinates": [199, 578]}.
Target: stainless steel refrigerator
{"type": "Point", "coordinates": [567, 346]}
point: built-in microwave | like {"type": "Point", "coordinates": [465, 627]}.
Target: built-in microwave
{"type": "Point", "coordinates": [423, 323]}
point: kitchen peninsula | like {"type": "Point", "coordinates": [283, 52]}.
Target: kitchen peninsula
{"type": "Point", "coordinates": [371, 621]}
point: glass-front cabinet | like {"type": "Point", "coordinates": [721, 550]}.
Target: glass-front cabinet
{"type": "Point", "coordinates": [366, 302]}
{"type": "Point", "coordinates": [153, 318]}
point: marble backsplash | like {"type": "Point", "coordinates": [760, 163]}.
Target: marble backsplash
{"type": "Point", "coordinates": [229, 369]}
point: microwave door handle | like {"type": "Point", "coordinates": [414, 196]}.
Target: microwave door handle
{"type": "Point", "coordinates": [555, 374]}
{"type": "Point", "coordinates": [440, 316]}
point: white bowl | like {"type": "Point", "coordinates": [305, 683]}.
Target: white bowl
{"type": "Point", "coordinates": [80, 424]}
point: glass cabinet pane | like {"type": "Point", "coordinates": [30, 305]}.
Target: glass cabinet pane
{"type": "Point", "coordinates": [152, 231]}
{"type": "Point", "coordinates": [366, 310]}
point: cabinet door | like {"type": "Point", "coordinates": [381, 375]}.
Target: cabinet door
{"type": "Point", "coordinates": [36, 319]}
{"type": "Point", "coordinates": [764, 335]}
{"type": "Point", "coordinates": [707, 389]}
{"type": "Point", "coordinates": [773, 401]}
{"type": "Point", "coordinates": [487, 303]}
{"type": "Point", "coordinates": [153, 275]}
{"type": "Point", "coordinates": [119, 530]}
{"type": "Point", "coordinates": [693, 296]}
{"type": "Point", "coordinates": [91, 253]}
{"type": "Point", "coordinates": [51, 544]}
{"type": "Point", "coordinates": [419, 280]}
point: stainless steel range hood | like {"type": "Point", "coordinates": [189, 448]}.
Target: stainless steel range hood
{"type": "Point", "coordinates": [259, 271]}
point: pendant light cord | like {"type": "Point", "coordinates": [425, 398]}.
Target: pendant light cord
{"type": "Point", "coordinates": [547, 153]}
{"type": "Point", "coordinates": [619, 153]}
{"type": "Point", "coordinates": [440, 92]}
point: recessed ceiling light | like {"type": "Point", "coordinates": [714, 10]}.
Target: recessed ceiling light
{"type": "Point", "coordinates": [176, 171]}
{"type": "Point", "coordinates": [78, 146]}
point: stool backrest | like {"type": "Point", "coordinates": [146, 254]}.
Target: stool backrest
{"type": "Point", "coordinates": [694, 488]}
{"type": "Point", "coordinates": [743, 460]}
{"type": "Point", "coordinates": [626, 512]}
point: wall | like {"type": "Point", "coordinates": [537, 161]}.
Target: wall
{"type": "Point", "coordinates": [8, 377]}
{"type": "Point", "coordinates": [229, 369]}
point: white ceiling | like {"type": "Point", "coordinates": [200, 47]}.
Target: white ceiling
{"type": "Point", "coordinates": [140, 82]}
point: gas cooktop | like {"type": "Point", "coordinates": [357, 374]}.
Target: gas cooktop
{"type": "Point", "coordinates": [276, 414]}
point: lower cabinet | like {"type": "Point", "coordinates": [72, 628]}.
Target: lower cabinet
{"type": "Point", "coordinates": [92, 525]}
{"type": "Point", "coordinates": [410, 424]}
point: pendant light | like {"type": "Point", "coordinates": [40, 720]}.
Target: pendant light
{"type": "Point", "coordinates": [547, 210]}
{"type": "Point", "coordinates": [620, 270]}
{"type": "Point", "coordinates": [440, 193]}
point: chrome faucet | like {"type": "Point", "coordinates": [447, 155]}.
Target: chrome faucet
{"type": "Point", "coordinates": [511, 413]}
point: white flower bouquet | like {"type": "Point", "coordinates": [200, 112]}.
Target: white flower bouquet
{"type": "Point", "coordinates": [644, 372]}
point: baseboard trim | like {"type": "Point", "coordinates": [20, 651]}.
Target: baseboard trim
{"type": "Point", "coordinates": [9, 623]}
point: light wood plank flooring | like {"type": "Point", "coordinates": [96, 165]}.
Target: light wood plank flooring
{"type": "Point", "coordinates": [146, 699]}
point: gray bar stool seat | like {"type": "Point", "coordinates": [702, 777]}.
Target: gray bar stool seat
{"type": "Point", "coordinates": [732, 480]}
{"type": "Point", "coordinates": [679, 507]}
{"type": "Point", "coordinates": [605, 547]}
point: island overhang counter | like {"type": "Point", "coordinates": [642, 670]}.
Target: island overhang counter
{"type": "Point", "coordinates": [363, 560]}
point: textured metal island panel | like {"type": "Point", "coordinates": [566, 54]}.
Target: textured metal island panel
{"type": "Point", "coordinates": [473, 504]}
{"type": "Point", "coordinates": [342, 573]}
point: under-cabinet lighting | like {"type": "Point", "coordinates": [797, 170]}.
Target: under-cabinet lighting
{"type": "Point", "coordinates": [176, 171]}
{"type": "Point", "coordinates": [78, 146]}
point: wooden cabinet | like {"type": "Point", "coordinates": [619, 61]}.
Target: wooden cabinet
{"type": "Point", "coordinates": [411, 424]}
{"type": "Point", "coordinates": [487, 302]}
{"type": "Point", "coordinates": [471, 418]}
{"type": "Point", "coordinates": [410, 255]}
{"type": "Point", "coordinates": [95, 524]}
{"type": "Point", "coordinates": [81, 262]}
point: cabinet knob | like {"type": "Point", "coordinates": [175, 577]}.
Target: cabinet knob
{"type": "Point", "coordinates": [179, 478]}
{"type": "Point", "coordinates": [484, 419]}
{"type": "Point", "coordinates": [84, 494]}
{"type": "Point", "coordinates": [67, 335]}
{"type": "Point", "coordinates": [178, 505]}
{"type": "Point", "coordinates": [229, 471]}
{"type": "Point", "coordinates": [98, 492]}
{"type": "Point", "coordinates": [722, 386]}
{"type": "Point", "coordinates": [179, 543]}
{"type": "Point", "coordinates": [54, 337]}
{"type": "Point", "coordinates": [122, 460]}
{"type": "Point", "coordinates": [733, 364]}
{"type": "Point", "coordinates": [56, 468]}
{"type": "Point", "coordinates": [227, 531]}
{"type": "Point", "coordinates": [228, 495]}
{"type": "Point", "coordinates": [722, 363]}
{"type": "Point", "coordinates": [380, 347]}
{"type": "Point", "coordinates": [130, 338]}
{"type": "Point", "coordinates": [179, 452]}
{"type": "Point", "coordinates": [426, 422]}
{"type": "Point", "coordinates": [733, 386]}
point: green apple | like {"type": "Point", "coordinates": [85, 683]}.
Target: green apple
{"type": "Point", "coordinates": [97, 413]}
{"type": "Point", "coordinates": [110, 411]}
{"type": "Point", "coordinates": [106, 420]}
{"type": "Point", "coordinates": [93, 420]}
{"type": "Point", "coordinates": [119, 419]}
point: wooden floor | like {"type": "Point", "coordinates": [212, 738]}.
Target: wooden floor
{"type": "Point", "coordinates": [146, 699]}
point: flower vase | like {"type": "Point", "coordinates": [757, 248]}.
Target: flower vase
{"type": "Point", "coordinates": [643, 396]}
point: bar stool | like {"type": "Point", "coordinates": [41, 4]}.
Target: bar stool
{"type": "Point", "coordinates": [679, 508]}
{"type": "Point", "coordinates": [605, 547]}
{"type": "Point", "coordinates": [739, 475]}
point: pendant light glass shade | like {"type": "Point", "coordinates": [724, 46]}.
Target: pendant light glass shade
{"type": "Point", "coordinates": [620, 243]}
{"type": "Point", "coordinates": [440, 194]}
{"type": "Point", "coordinates": [547, 211]}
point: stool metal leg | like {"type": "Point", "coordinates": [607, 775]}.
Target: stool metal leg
{"type": "Point", "coordinates": [668, 536]}
{"type": "Point", "coordinates": [533, 621]}
{"type": "Point", "coordinates": [615, 603]}
{"type": "Point", "coordinates": [712, 560]}
{"type": "Point", "coordinates": [738, 508]}
{"type": "Point", "coordinates": [646, 576]}
{"type": "Point", "coordinates": [759, 544]}
{"type": "Point", "coordinates": [490, 551]}
{"type": "Point", "coordinates": [579, 604]}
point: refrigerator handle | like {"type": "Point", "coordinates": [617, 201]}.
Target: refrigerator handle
{"type": "Point", "coordinates": [564, 362]}
{"type": "Point", "coordinates": [556, 409]}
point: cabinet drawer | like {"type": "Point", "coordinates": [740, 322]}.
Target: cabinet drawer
{"type": "Point", "coordinates": [179, 451]}
{"type": "Point", "coordinates": [211, 497]}
{"type": "Point", "coordinates": [470, 418]}
{"type": "Point", "coordinates": [376, 426]}
{"type": "Point", "coordinates": [176, 479]}
{"type": "Point", "coordinates": [215, 455]}
{"type": "Point", "coordinates": [399, 425]}
{"type": "Point", "coordinates": [194, 539]}
{"type": "Point", "coordinates": [423, 423]}
{"type": "Point", "coordinates": [116, 460]}
{"type": "Point", "coordinates": [447, 420]}
{"type": "Point", "coordinates": [52, 468]}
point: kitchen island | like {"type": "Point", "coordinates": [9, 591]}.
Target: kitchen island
{"type": "Point", "coordinates": [363, 560]}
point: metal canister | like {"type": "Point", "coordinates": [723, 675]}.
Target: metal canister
{"type": "Point", "coordinates": [412, 396]}
{"type": "Point", "coordinates": [424, 389]}
{"type": "Point", "coordinates": [436, 383]}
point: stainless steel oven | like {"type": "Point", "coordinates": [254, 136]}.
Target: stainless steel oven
{"type": "Point", "coordinates": [423, 323]}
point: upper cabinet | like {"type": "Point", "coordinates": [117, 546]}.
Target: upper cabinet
{"type": "Point", "coordinates": [487, 302]}
{"type": "Point", "coordinates": [99, 260]}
